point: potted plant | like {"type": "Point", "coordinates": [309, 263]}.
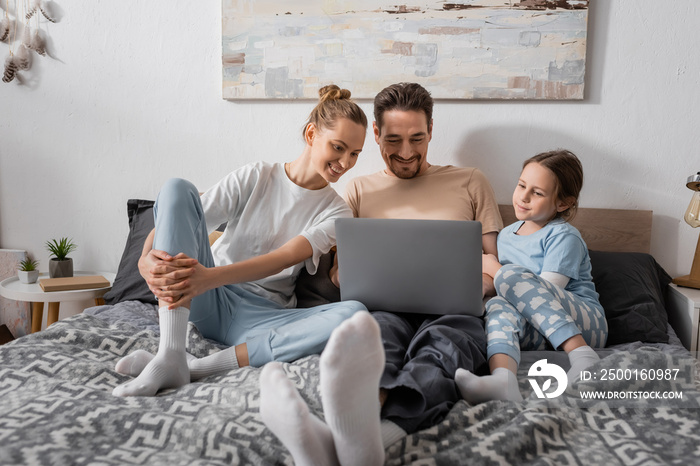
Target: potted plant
{"type": "Point", "coordinates": [28, 272]}
{"type": "Point", "coordinates": [61, 265]}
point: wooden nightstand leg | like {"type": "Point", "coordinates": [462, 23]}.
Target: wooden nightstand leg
{"type": "Point", "coordinates": [37, 316]}
{"type": "Point", "coordinates": [53, 314]}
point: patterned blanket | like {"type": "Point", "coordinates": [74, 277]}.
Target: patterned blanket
{"type": "Point", "coordinates": [56, 407]}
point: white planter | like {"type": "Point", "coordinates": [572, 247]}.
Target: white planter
{"type": "Point", "coordinates": [28, 276]}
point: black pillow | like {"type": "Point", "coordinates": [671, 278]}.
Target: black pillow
{"type": "Point", "coordinates": [632, 288]}
{"type": "Point", "coordinates": [317, 289]}
{"type": "Point", "coordinates": [129, 285]}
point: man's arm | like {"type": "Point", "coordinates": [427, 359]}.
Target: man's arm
{"type": "Point", "coordinates": [488, 244]}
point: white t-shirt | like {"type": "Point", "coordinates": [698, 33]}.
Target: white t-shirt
{"type": "Point", "coordinates": [263, 209]}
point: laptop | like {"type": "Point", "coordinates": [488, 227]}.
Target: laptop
{"type": "Point", "coordinates": [414, 266]}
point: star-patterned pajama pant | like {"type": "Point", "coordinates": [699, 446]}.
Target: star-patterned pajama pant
{"type": "Point", "coordinates": [530, 313]}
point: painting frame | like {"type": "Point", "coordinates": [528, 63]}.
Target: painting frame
{"type": "Point", "coordinates": [479, 49]}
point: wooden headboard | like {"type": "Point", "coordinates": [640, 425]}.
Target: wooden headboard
{"type": "Point", "coordinates": [606, 229]}
{"type": "Point", "coordinates": [603, 229]}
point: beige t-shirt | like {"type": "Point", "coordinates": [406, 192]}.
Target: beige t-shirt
{"type": "Point", "coordinates": [441, 193]}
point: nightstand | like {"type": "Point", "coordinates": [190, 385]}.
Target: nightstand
{"type": "Point", "coordinates": [683, 308]}
{"type": "Point", "coordinates": [11, 288]}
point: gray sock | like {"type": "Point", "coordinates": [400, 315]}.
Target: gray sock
{"type": "Point", "coordinates": [580, 358]}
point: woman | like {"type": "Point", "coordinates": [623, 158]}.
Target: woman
{"type": "Point", "coordinates": [240, 292]}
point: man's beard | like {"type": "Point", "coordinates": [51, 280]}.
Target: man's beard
{"type": "Point", "coordinates": [404, 172]}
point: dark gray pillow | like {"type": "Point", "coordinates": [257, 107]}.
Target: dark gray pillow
{"type": "Point", "coordinates": [632, 288]}
{"type": "Point", "coordinates": [317, 289]}
{"type": "Point", "coordinates": [129, 285]}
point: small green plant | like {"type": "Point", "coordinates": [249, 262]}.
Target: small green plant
{"type": "Point", "coordinates": [28, 265]}
{"type": "Point", "coordinates": [61, 248]}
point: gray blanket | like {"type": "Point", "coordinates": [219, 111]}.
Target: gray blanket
{"type": "Point", "coordinates": [56, 407]}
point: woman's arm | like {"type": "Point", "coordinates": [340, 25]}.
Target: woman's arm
{"type": "Point", "coordinates": [203, 279]}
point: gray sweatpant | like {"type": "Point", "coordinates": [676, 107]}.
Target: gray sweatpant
{"type": "Point", "coordinates": [423, 352]}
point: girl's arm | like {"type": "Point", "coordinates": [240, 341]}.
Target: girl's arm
{"type": "Point", "coordinates": [203, 279]}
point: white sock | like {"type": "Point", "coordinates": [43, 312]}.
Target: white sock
{"type": "Point", "coordinates": [220, 361]}
{"type": "Point", "coordinates": [350, 369]}
{"type": "Point", "coordinates": [136, 362]}
{"type": "Point", "coordinates": [285, 413]}
{"type": "Point", "coordinates": [168, 369]}
{"type": "Point", "coordinates": [391, 433]}
{"type": "Point", "coordinates": [502, 384]}
{"type": "Point", "coordinates": [580, 358]}
{"type": "Point", "coordinates": [133, 364]}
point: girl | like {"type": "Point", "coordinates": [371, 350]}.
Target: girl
{"type": "Point", "coordinates": [543, 282]}
{"type": "Point", "coordinates": [279, 218]}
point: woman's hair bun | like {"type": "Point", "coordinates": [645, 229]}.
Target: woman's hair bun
{"type": "Point", "coordinates": [333, 92]}
{"type": "Point", "coordinates": [334, 103]}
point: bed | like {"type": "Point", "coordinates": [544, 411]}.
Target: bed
{"type": "Point", "coordinates": [56, 405]}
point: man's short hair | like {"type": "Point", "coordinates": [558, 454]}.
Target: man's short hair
{"type": "Point", "coordinates": [404, 97]}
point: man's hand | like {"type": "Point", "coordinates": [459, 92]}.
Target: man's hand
{"type": "Point", "coordinates": [490, 265]}
{"type": "Point", "coordinates": [489, 268]}
{"type": "Point", "coordinates": [487, 288]}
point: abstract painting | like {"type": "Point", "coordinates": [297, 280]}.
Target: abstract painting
{"type": "Point", "coordinates": [478, 49]}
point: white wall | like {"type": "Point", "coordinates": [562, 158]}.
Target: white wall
{"type": "Point", "coordinates": [131, 96]}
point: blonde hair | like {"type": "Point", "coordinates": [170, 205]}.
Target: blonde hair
{"type": "Point", "coordinates": [334, 103]}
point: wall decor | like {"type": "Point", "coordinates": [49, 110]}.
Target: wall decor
{"type": "Point", "coordinates": [21, 28]}
{"type": "Point", "coordinates": [478, 49]}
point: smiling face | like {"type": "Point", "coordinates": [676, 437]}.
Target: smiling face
{"type": "Point", "coordinates": [535, 198]}
{"type": "Point", "coordinates": [403, 142]}
{"type": "Point", "coordinates": [334, 151]}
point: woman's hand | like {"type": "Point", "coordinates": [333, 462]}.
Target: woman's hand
{"type": "Point", "coordinates": [166, 274]}
{"type": "Point", "coordinates": [199, 281]}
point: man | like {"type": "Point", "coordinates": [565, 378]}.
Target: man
{"type": "Point", "coordinates": [422, 352]}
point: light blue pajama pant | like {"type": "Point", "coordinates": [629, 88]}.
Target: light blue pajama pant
{"type": "Point", "coordinates": [530, 311]}
{"type": "Point", "coordinates": [230, 314]}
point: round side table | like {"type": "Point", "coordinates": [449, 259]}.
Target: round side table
{"type": "Point", "coordinates": [12, 288]}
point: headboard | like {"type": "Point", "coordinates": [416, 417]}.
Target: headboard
{"type": "Point", "coordinates": [606, 229]}
{"type": "Point", "coordinates": [603, 229]}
